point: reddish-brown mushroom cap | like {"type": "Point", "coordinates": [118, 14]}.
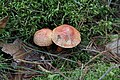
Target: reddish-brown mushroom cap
{"type": "Point", "coordinates": [43, 37]}
{"type": "Point", "coordinates": [66, 36]}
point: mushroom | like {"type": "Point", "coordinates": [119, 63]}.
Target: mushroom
{"type": "Point", "coordinates": [66, 36]}
{"type": "Point", "coordinates": [42, 37]}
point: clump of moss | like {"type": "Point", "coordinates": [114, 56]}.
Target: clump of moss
{"type": "Point", "coordinates": [89, 17]}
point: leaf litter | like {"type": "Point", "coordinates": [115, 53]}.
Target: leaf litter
{"type": "Point", "coordinates": [109, 52]}
{"type": "Point", "coordinates": [28, 62]}
{"type": "Point", "coordinates": [114, 47]}
{"type": "Point", "coordinates": [14, 49]}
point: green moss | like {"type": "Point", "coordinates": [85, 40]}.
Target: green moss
{"type": "Point", "coordinates": [28, 16]}
{"type": "Point", "coordinates": [90, 17]}
{"type": "Point", "coordinates": [94, 73]}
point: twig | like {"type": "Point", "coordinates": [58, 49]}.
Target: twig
{"type": "Point", "coordinates": [118, 45]}
{"type": "Point", "coordinates": [100, 53]}
{"type": "Point", "coordinates": [49, 54]}
{"type": "Point", "coordinates": [77, 2]}
{"type": "Point", "coordinates": [113, 57]}
{"type": "Point", "coordinates": [43, 69]}
{"type": "Point", "coordinates": [81, 72]}
{"type": "Point", "coordinates": [108, 71]}
{"type": "Point", "coordinates": [30, 69]}
{"type": "Point", "coordinates": [58, 71]}
{"type": "Point", "coordinates": [92, 50]}
{"type": "Point", "coordinates": [109, 2]}
{"type": "Point", "coordinates": [85, 71]}
{"type": "Point", "coordinates": [56, 56]}
{"type": "Point", "coordinates": [30, 62]}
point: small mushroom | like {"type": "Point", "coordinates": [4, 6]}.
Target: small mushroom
{"type": "Point", "coordinates": [42, 37]}
{"type": "Point", "coordinates": [66, 36]}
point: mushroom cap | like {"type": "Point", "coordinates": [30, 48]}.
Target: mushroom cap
{"type": "Point", "coordinates": [42, 37]}
{"type": "Point", "coordinates": [66, 36]}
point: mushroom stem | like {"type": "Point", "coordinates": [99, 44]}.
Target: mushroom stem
{"type": "Point", "coordinates": [48, 48]}
{"type": "Point", "coordinates": [59, 49]}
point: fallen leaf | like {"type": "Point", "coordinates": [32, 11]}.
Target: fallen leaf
{"type": "Point", "coordinates": [14, 49]}
{"type": "Point", "coordinates": [3, 22]}
{"type": "Point", "coordinates": [114, 47]}
{"type": "Point", "coordinates": [26, 60]}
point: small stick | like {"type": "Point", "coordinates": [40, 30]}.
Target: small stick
{"type": "Point", "coordinates": [43, 69]}
{"type": "Point", "coordinates": [21, 60]}
{"type": "Point", "coordinates": [48, 53]}
{"type": "Point", "coordinates": [108, 71]}
{"type": "Point", "coordinates": [58, 71]}
{"type": "Point", "coordinates": [100, 53]}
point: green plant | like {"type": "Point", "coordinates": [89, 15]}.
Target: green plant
{"type": "Point", "coordinates": [90, 17]}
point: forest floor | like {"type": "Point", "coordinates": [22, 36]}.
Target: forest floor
{"type": "Point", "coordinates": [97, 57]}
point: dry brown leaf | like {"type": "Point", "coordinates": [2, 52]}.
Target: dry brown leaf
{"type": "Point", "coordinates": [3, 22]}
{"type": "Point", "coordinates": [24, 57]}
{"type": "Point", "coordinates": [114, 47]}
{"type": "Point", "coordinates": [14, 49]}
